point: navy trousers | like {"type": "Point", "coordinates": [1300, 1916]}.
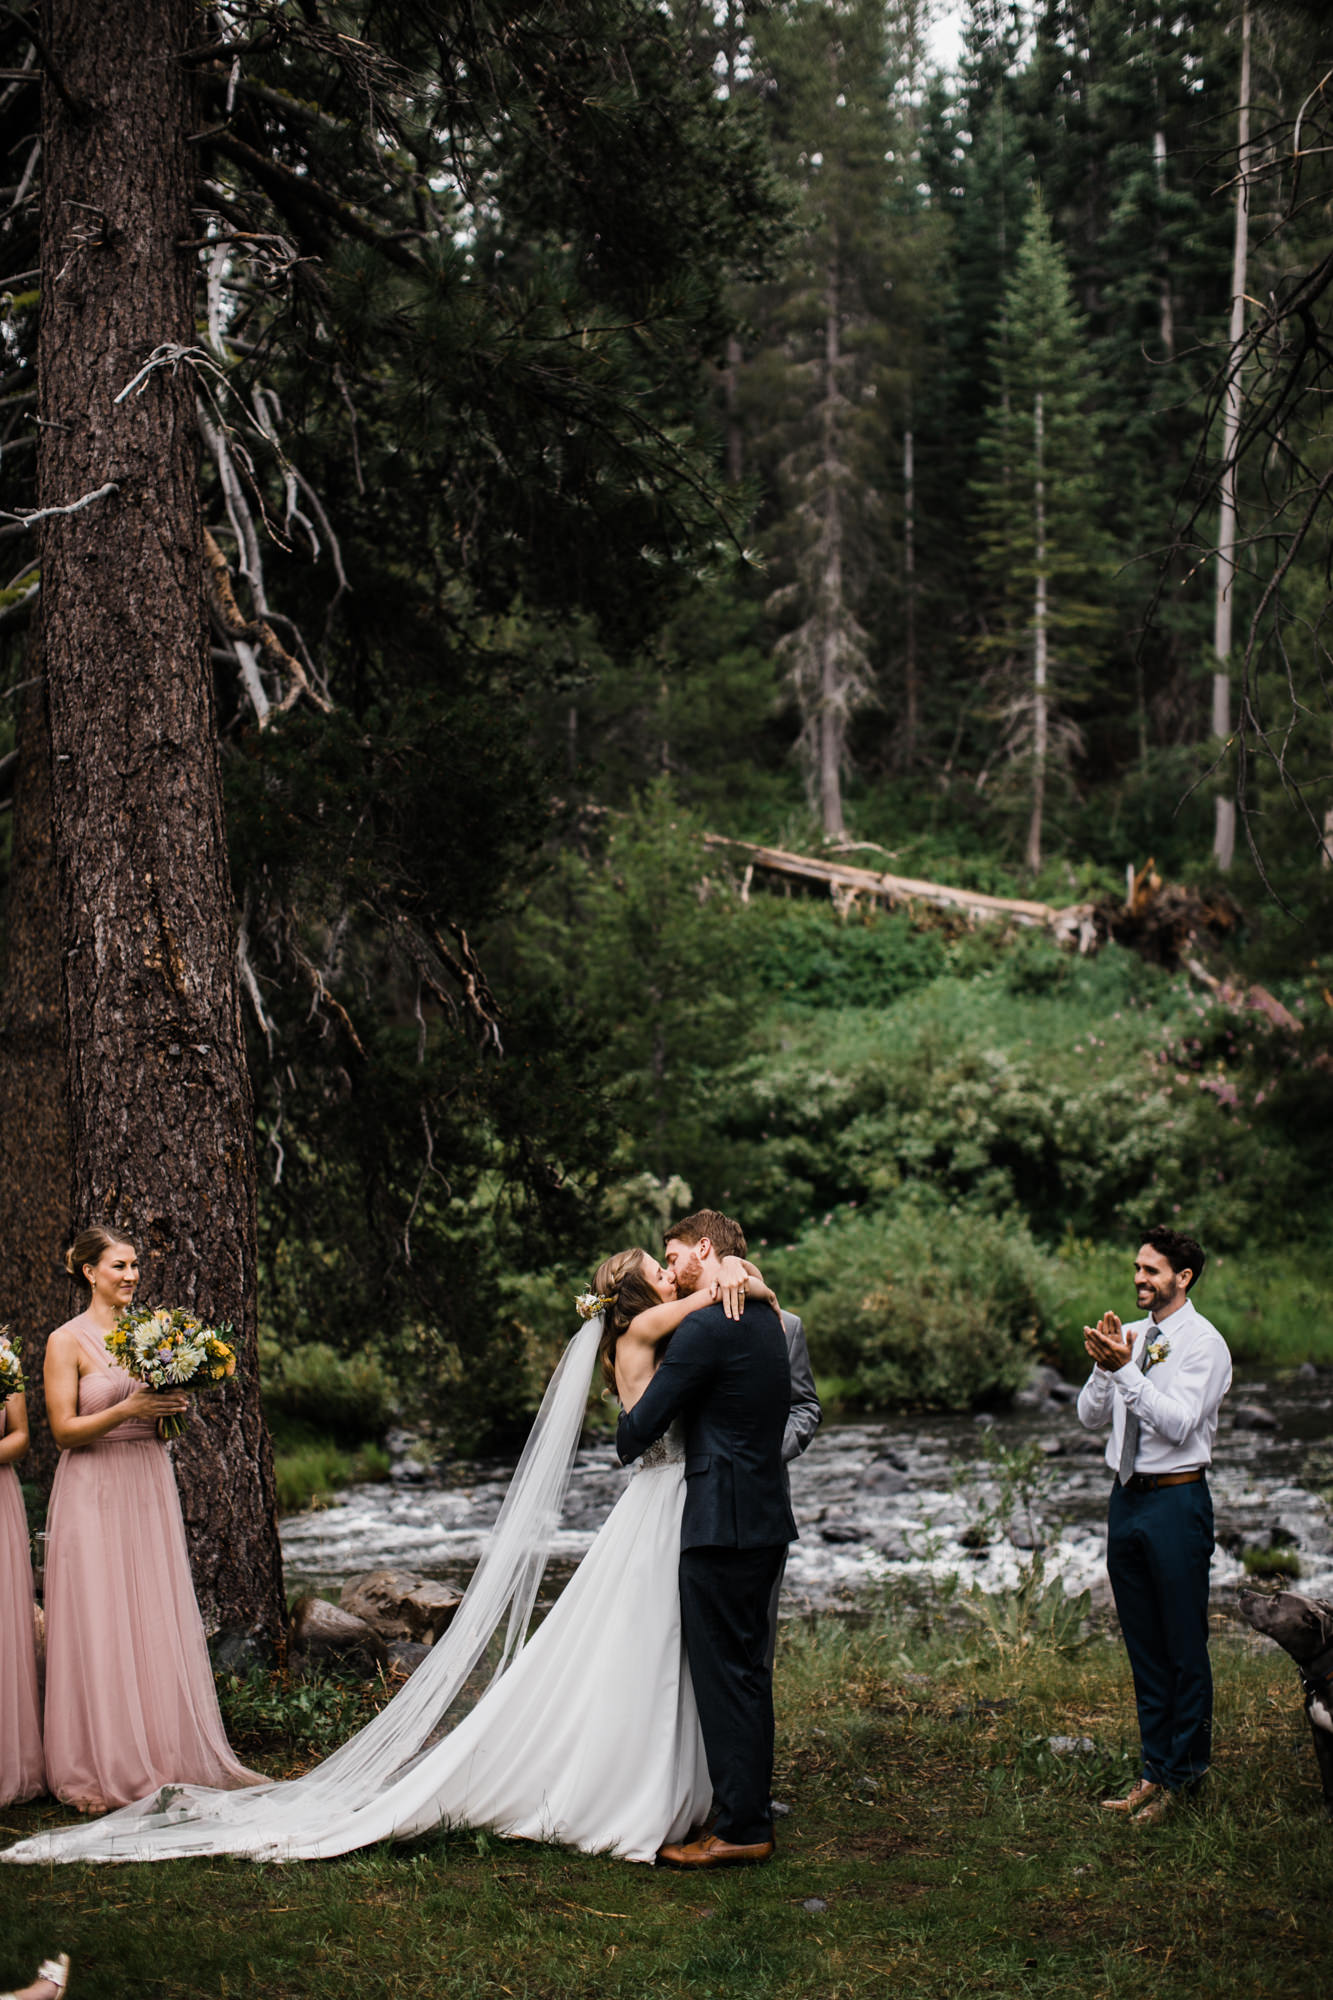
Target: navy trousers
{"type": "Point", "coordinates": [1158, 1548]}
{"type": "Point", "coordinates": [724, 1596]}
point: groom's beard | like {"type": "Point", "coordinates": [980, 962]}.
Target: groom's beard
{"type": "Point", "coordinates": [689, 1275]}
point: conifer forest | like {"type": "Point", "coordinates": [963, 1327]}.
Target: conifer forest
{"type": "Point", "coordinates": [473, 474]}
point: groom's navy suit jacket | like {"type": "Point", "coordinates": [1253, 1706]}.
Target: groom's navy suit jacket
{"type": "Point", "coordinates": [729, 1380]}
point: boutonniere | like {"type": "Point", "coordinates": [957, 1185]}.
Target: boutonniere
{"type": "Point", "coordinates": [1157, 1351]}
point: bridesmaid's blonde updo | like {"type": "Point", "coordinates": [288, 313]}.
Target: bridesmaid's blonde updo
{"type": "Point", "coordinates": [89, 1247]}
{"type": "Point", "coordinates": [621, 1280]}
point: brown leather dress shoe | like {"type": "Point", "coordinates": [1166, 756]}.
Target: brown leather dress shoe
{"type": "Point", "coordinates": [714, 1853]}
{"type": "Point", "coordinates": [1137, 1796]}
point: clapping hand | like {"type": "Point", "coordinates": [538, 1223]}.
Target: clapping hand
{"type": "Point", "coordinates": [1106, 1343]}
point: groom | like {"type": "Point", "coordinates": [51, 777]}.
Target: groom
{"type": "Point", "coordinates": [729, 1380]}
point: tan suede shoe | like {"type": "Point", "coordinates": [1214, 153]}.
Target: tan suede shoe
{"type": "Point", "coordinates": [1155, 1811]}
{"type": "Point", "coordinates": [1137, 1796]}
{"type": "Point", "coordinates": [714, 1853]}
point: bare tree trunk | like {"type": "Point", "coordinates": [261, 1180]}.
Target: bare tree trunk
{"type": "Point", "coordinates": [832, 715]}
{"type": "Point", "coordinates": [1224, 825]}
{"type": "Point", "coordinates": [1040, 700]}
{"type": "Point", "coordinates": [911, 692]}
{"type": "Point", "coordinates": [34, 1117]}
{"type": "Point", "coordinates": [161, 1119]}
{"type": "Point", "coordinates": [1166, 311]}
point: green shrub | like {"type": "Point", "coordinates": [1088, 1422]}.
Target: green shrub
{"type": "Point", "coordinates": [346, 1397]}
{"type": "Point", "coordinates": [804, 953]}
{"type": "Point", "coordinates": [1272, 1562]}
{"type": "Point", "coordinates": [308, 1472]}
{"type": "Point", "coordinates": [265, 1710]}
{"type": "Point", "coordinates": [925, 1307]}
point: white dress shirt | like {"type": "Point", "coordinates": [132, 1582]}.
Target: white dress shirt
{"type": "Point", "coordinates": [1176, 1401]}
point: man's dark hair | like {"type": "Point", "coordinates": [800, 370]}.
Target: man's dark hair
{"type": "Point", "coordinates": [1182, 1252]}
{"type": "Point", "coordinates": [726, 1236]}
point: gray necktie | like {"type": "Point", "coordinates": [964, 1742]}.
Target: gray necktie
{"type": "Point", "coordinates": [1129, 1443]}
{"type": "Point", "coordinates": [1129, 1447]}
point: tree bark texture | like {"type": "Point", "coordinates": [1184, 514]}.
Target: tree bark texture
{"type": "Point", "coordinates": [161, 1118]}
{"type": "Point", "coordinates": [34, 1115]}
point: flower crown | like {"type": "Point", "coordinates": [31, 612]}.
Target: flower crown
{"type": "Point", "coordinates": [588, 1304]}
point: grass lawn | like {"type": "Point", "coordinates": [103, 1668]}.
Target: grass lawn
{"type": "Point", "coordinates": [936, 1846]}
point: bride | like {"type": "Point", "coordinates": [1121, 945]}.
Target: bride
{"type": "Point", "coordinates": [586, 1735]}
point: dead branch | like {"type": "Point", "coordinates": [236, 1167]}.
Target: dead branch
{"type": "Point", "coordinates": [252, 633]}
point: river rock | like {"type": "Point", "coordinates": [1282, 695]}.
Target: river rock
{"type": "Point", "coordinates": [406, 1655]}
{"type": "Point", "coordinates": [1052, 1447]}
{"type": "Point", "coordinates": [399, 1605]}
{"type": "Point", "coordinates": [1252, 1417]}
{"type": "Point", "coordinates": [884, 1479]}
{"type": "Point", "coordinates": [840, 1528]}
{"type": "Point", "coordinates": [1071, 1746]}
{"type": "Point", "coordinates": [326, 1634]}
{"type": "Point", "coordinates": [891, 1456]}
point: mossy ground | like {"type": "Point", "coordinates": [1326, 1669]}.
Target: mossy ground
{"type": "Point", "coordinates": [936, 1846]}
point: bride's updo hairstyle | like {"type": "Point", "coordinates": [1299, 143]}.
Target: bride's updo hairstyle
{"type": "Point", "coordinates": [621, 1280]}
{"type": "Point", "coordinates": [89, 1247]}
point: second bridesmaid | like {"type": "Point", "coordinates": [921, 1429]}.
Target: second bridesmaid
{"type": "Point", "coordinates": [21, 1770]}
{"type": "Point", "coordinates": [130, 1699]}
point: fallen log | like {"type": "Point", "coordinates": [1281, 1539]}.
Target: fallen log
{"type": "Point", "coordinates": [1076, 925]}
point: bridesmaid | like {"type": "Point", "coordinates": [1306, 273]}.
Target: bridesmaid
{"type": "Point", "coordinates": [22, 1772]}
{"type": "Point", "coordinates": [130, 1700]}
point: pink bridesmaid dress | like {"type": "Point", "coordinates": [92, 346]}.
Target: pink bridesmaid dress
{"type": "Point", "coordinates": [22, 1771]}
{"type": "Point", "coordinates": [130, 1700]}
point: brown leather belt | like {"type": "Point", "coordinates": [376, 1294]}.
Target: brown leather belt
{"type": "Point", "coordinates": [1148, 1482]}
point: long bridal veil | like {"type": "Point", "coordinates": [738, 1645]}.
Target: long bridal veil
{"type": "Point", "coordinates": [349, 1800]}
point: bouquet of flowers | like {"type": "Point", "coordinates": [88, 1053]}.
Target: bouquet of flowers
{"type": "Point", "coordinates": [11, 1367]}
{"type": "Point", "coordinates": [166, 1347]}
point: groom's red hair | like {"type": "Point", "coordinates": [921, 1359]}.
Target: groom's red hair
{"type": "Point", "coordinates": [723, 1232]}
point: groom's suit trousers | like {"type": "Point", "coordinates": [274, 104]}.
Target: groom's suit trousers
{"type": "Point", "coordinates": [724, 1596]}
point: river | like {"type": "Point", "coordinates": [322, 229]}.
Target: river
{"type": "Point", "coordinates": [910, 1498]}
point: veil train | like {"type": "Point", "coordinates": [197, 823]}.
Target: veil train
{"type": "Point", "coordinates": [362, 1793]}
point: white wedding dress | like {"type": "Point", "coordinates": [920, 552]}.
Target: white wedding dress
{"type": "Point", "coordinates": [588, 1734]}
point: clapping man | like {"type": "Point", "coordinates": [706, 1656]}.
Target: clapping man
{"type": "Point", "coordinates": [1159, 1383]}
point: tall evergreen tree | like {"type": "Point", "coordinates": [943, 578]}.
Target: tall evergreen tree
{"type": "Point", "coordinates": [1038, 492]}
{"type": "Point", "coordinates": [823, 376]}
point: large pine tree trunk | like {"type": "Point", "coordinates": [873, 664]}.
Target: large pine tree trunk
{"type": "Point", "coordinates": [161, 1120]}
{"type": "Point", "coordinates": [1040, 644]}
{"type": "Point", "coordinates": [34, 1118]}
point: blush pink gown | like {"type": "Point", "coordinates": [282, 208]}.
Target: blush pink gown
{"type": "Point", "coordinates": [130, 1700]}
{"type": "Point", "coordinates": [22, 1772]}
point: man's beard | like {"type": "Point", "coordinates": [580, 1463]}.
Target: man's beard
{"type": "Point", "coordinates": [689, 1275]}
